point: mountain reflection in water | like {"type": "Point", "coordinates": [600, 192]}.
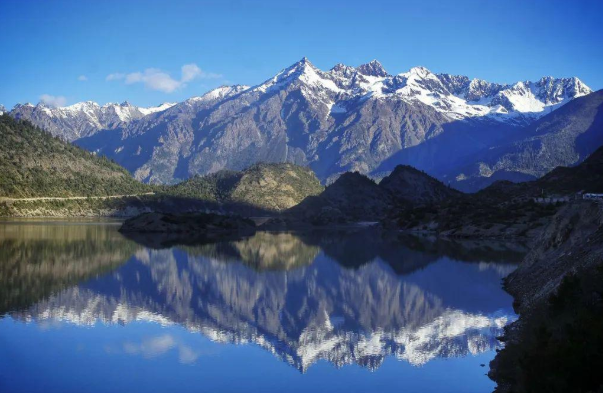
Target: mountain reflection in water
{"type": "Point", "coordinates": [344, 297]}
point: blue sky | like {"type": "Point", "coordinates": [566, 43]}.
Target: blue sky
{"type": "Point", "coordinates": [68, 49]}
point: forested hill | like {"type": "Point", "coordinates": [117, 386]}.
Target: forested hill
{"type": "Point", "coordinates": [35, 164]}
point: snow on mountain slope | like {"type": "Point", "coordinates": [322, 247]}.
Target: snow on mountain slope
{"type": "Point", "coordinates": [565, 137]}
{"type": "Point", "coordinates": [344, 119]}
{"type": "Point", "coordinates": [83, 118]}
{"type": "Point", "coordinates": [219, 93]}
{"type": "Point", "coordinates": [456, 96]}
{"type": "Point", "coordinates": [159, 108]}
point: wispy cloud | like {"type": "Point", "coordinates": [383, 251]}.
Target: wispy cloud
{"type": "Point", "coordinates": [190, 72]}
{"type": "Point", "coordinates": [156, 346]}
{"type": "Point", "coordinates": [116, 76]}
{"type": "Point", "coordinates": [157, 79]}
{"type": "Point", "coordinates": [82, 78]}
{"type": "Point", "coordinates": [53, 101]}
{"type": "Point", "coordinates": [154, 79]}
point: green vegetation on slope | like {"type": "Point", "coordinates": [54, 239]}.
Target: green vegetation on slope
{"type": "Point", "coordinates": [35, 164]}
{"type": "Point", "coordinates": [40, 260]}
{"type": "Point", "coordinates": [274, 187]}
{"type": "Point", "coordinates": [215, 187]}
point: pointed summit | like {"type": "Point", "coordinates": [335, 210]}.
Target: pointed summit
{"type": "Point", "coordinates": [296, 68]}
{"type": "Point", "coordinates": [302, 64]}
{"type": "Point", "coordinates": [373, 68]}
{"type": "Point", "coordinates": [420, 71]}
{"type": "Point", "coordinates": [343, 70]}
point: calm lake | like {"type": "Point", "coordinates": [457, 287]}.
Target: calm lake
{"type": "Point", "coordinates": [85, 309]}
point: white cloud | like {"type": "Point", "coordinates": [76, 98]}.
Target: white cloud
{"type": "Point", "coordinates": [156, 79]}
{"type": "Point", "coordinates": [116, 76]}
{"type": "Point", "coordinates": [152, 347]}
{"type": "Point", "coordinates": [157, 346]}
{"type": "Point", "coordinates": [190, 72]}
{"type": "Point", "coordinates": [82, 78]}
{"type": "Point", "coordinates": [53, 101]}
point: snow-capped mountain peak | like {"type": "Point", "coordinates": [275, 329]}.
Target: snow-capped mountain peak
{"type": "Point", "coordinates": [456, 96]}
{"type": "Point", "coordinates": [159, 108]}
{"type": "Point", "coordinates": [419, 72]}
{"type": "Point", "coordinates": [372, 68]}
{"type": "Point", "coordinates": [83, 118]}
{"type": "Point", "coordinates": [304, 72]}
{"type": "Point", "coordinates": [343, 70]}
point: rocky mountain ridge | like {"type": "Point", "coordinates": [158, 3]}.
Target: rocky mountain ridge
{"type": "Point", "coordinates": [82, 119]}
{"type": "Point", "coordinates": [345, 119]}
{"type": "Point", "coordinates": [563, 138]}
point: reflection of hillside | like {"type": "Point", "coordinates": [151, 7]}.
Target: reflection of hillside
{"type": "Point", "coordinates": [349, 247]}
{"type": "Point", "coordinates": [407, 253]}
{"type": "Point", "coordinates": [317, 311]}
{"type": "Point", "coordinates": [38, 260]}
{"type": "Point", "coordinates": [262, 251]}
{"type": "Point", "coordinates": [469, 250]}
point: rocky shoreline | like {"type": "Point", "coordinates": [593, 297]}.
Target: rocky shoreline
{"type": "Point", "coordinates": [556, 345]}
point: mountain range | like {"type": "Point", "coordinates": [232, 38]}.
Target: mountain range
{"type": "Point", "coordinates": [457, 129]}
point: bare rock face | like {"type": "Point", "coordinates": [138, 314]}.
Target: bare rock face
{"type": "Point", "coordinates": [573, 241]}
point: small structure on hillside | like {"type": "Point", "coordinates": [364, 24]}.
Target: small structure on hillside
{"type": "Point", "coordinates": [552, 199]}
{"type": "Point", "coordinates": [592, 196]}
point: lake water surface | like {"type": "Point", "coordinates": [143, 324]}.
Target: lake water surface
{"type": "Point", "coordinates": [84, 309]}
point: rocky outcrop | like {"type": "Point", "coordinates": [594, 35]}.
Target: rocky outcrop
{"type": "Point", "coordinates": [557, 343]}
{"type": "Point", "coordinates": [505, 209]}
{"type": "Point", "coordinates": [193, 224]}
{"type": "Point", "coordinates": [570, 243]}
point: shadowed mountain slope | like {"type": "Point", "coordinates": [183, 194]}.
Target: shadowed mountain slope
{"type": "Point", "coordinates": [564, 137]}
